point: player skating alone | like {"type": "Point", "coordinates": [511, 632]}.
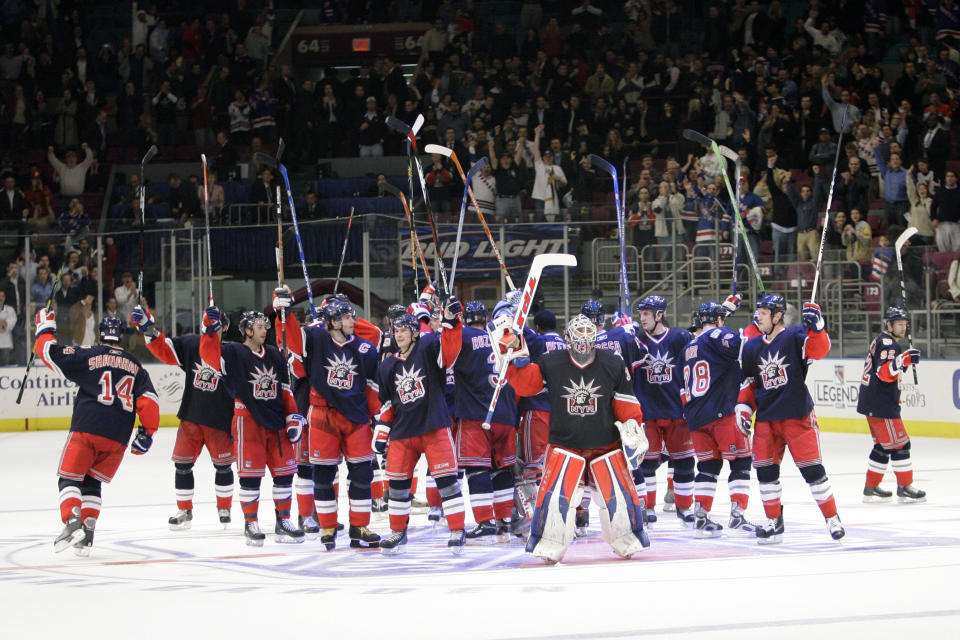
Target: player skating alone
{"type": "Point", "coordinates": [485, 455]}
{"type": "Point", "coordinates": [711, 381]}
{"type": "Point", "coordinates": [592, 408]}
{"type": "Point", "coordinates": [265, 418]}
{"type": "Point", "coordinates": [415, 420]}
{"type": "Point", "coordinates": [206, 411]}
{"type": "Point", "coordinates": [112, 389]}
{"type": "Point", "coordinates": [774, 386]}
{"type": "Point", "coordinates": [343, 396]}
{"type": "Point", "coordinates": [879, 401]}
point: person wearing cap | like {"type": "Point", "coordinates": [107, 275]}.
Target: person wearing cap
{"type": "Point", "coordinates": [371, 131]}
{"type": "Point", "coordinates": [823, 151]}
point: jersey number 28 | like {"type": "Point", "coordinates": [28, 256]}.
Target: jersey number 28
{"type": "Point", "coordinates": [700, 382]}
{"type": "Point", "coordinates": [123, 390]}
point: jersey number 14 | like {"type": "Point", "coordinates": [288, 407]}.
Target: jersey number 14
{"type": "Point", "coordinates": [700, 382]}
{"type": "Point", "coordinates": [123, 390]}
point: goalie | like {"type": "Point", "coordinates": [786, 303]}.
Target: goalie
{"type": "Point", "coordinates": [595, 431]}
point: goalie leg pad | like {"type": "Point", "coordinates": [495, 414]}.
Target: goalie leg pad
{"type": "Point", "coordinates": [554, 521]}
{"type": "Point", "coordinates": [621, 511]}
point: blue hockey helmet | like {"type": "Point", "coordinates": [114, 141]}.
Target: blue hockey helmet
{"type": "Point", "coordinates": [407, 321]}
{"type": "Point", "coordinates": [652, 303]}
{"type": "Point", "coordinates": [894, 313]}
{"type": "Point", "coordinates": [334, 310]}
{"type": "Point", "coordinates": [545, 320]}
{"type": "Point", "coordinates": [709, 312]}
{"type": "Point", "coordinates": [111, 328]}
{"type": "Point", "coordinates": [474, 313]}
{"type": "Point", "coordinates": [594, 310]}
{"type": "Point", "coordinates": [394, 311]}
{"type": "Point", "coordinates": [250, 318]}
{"type": "Point", "coordinates": [772, 301]}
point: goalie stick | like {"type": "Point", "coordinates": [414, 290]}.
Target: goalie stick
{"type": "Point", "coordinates": [539, 263]}
{"type": "Point", "coordinates": [898, 247]}
{"type": "Point", "coordinates": [600, 163]}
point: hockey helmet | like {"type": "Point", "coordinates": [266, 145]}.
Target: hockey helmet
{"type": "Point", "coordinates": [334, 310]}
{"type": "Point", "coordinates": [342, 297]}
{"type": "Point", "coordinates": [407, 321]}
{"type": "Point", "coordinates": [651, 303]}
{"type": "Point", "coordinates": [250, 318]}
{"type": "Point", "coordinates": [111, 328]}
{"type": "Point", "coordinates": [474, 313]}
{"type": "Point", "coordinates": [581, 335]}
{"type": "Point", "coordinates": [394, 311]}
{"type": "Point", "coordinates": [772, 301]}
{"type": "Point", "coordinates": [709, 313]}
{"type": "Point", "coordinates": [545, 320]}
{"type": "Point", "coordinates": [594, 311]}
{"type": "Point", "coordinates": [513, 296]}
{"type": "Point", "coordinates": [695, 322]}
{"type": "Point", "coordinates": [894, 313]}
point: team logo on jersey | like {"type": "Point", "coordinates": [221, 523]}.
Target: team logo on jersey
{"type": "Point", "coordinates": [581, 398]}
{"type": "Point", "coordinates": [409, 383]}
{"type": "Point", "coordinates": [773, 371]}
{"type": "Point", "coordinates": [204, 377]}
{"type": "Point", "coordinates": [659, 368]}
{"type": "Point", "coordinates": [264, 382]}
{"type": "Point", "coordinates": [341, 371]}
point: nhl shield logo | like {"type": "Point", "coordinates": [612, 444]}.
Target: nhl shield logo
{"type": "Point", "coordinates": [581, 398]}
{"type": "Point", "coordinates": [838, 373]}
{"type": "Point", "coordinates": [264, 383]}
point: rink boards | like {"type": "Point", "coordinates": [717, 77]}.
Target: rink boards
{"type": "Point", "coordinates": [931, 408]}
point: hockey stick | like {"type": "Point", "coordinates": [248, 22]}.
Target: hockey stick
{"type": "Point", "coordinates": [206, 215]}
{"type": "Point", "coordinates": [411, 141]}
{"type": "Point", "coordinates": [624, 188]}
{"type": "Point", "coordinates": [296, 233]}
{"type": "Point", "coordinates": [540, 262]}
{"type": "Point", "coordinates": [600, 163]}
{"type": "Point", "coordinates": [737, 166]}
{"type": "Point", "coordinates": [343, 252]}
{"type": "Point", "coordinates": [389, 188]}
{"type": "Point", "coordinates": [474, 170]}
{"type": "Point", "coordinates": [151, 153]}
{"type": "Point", "coordinates": [33, 353]}
{"type": "Point", "coordinates": [826, 214]}
{"type": "Point", "coordinates": [902, 240]}
{"type": "Point", "coordinates": [699, 138]}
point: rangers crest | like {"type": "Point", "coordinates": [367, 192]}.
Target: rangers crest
{"type": "Point", "coordinates": [341, 371]}
{"type": "Point", "coordinates": [204, 377]}
{"type": "Point", "coordinates": [409, 383]}
{"type": "Point", "coordinates": [659, 368]}
{"type": "Point", "coordinates": [581, 398]}
{"type": "Point", "coordinates": [264, 382]}
{"type": "Point", "coordinates": [773, 371]}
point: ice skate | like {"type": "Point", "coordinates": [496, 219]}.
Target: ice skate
{"type": "Point", "coordinates": [835, 528]}
{"type": "Point", "coordinates": [583, 522]}
{"type": "Point", "coordinates": [457, 539]}
{"type": "Point", "coordinates": [876, 494]}
{"type": "Point", "coordinates": [363, 538]}
{"type": "Point", "coordinates": [703, 526]}
{"type": "Point", "coordinates": [286, 532]}
{"type": "Point", "coordinates": [181, 520]}
{"type": "Point", "coordinates": [435, 517]}
{"type": "Point", "coordinates": [669, 501]}
{"type": "Point", "coordinates": [484, 533]}
{"type": "Point", "coordinates": [738, 521]}
{"type": "Point", "coordinates": [379, 505]}
{"type": "Point", "coordinates": [909, 494]}
{"type": "Point", "coordinates": [650, 515]}
{"type": "Point", "coordinates": [72, 532]}
{"type": "Point", "coordinates": [224, 515]}
{"type": "Point", "coordinates": [251, 531]}
{"type": "Point", "coordinates": [503, 529]}
{"type": "Point", "coordinates": [687, 518]}
{"type": "Point", "coordinates": [772, 533]}
{"type": "Point", "coordinates": [328, 538]}
{"type": "Point", "coordinates": [417, 505]}
{"type": "Point", "coordinates": [392, 543]}
{"type": "Point", "coordinates": [82, 548]}
{"type": "Point", "coordinates": [309, 526]}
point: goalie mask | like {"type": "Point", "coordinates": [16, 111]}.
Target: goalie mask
{"type": "Point", "coordinates": [581, 337]}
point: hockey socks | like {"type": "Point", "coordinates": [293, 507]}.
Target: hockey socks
{"type": "Point", "coordinates": [768, 477]}
{"type": "Point", "coordinates": [398, 504]}
{"type": "Point", "coordinates": [738, 482]}
{"type": "Point", "coordinates": [683, 483]}
{"type": "Point", "coordinates": [250, 498]}
{"type": "Point", "coordinates": [902, 467]}
{"type": "Point", "coordinates": [223, 483]}
{"type": "Point", "coordinates": [91, 502]}
{"type": "Point", "coordinates": [433, 496]}
{"type": "Point", "coordinates": [452, 501]}
{"type": "Point", "coordinates": [816, 477]}
{"type": "Point", "coordinates": [480, 485]}
{"type": "Point", "coordinates": [502, 493]}
{"type": "Point", "coordinates": [324, 495]}
{"type": "Point", "coordinates": [69, 498]}
{"type": "Point", "coordinates": [183, 485]}
{"type": "Point", "coordinates": [706, 483]}
{"type": "Point", "coordinates": [359, 477]}
{"type": "Point", "coordinates": [303, 485]}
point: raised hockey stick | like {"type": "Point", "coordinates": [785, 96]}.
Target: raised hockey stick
{"type": "Point", "coordinates": [826, 215]}
{"type": "Point", "coordinates": [148, 156]}
{"type": "Point", "coordinates": [737, 166]}
{"type": "Point", "coordinates": [699, 138]}
{"type": "Point", "coordinates": [33, 352]}
{"type": "Point", "coordinates": [902, 240]}
{"type": "Point", "coordinates": [343, 252]}
{"type": "Point", "coordinates": [206, 216]}
{"type": "Point", "coordinates": [540, 262]}
{"type": "Point", "coordinates": [467, 192]}
{"type": "Point", "coordinates": [600, 163]}
{"type": "Point", "coordinates": [296, 234]}
{"type": "Point", "coordinates": [415, 239]}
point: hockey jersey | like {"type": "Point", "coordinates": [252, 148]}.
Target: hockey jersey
{"type": "Point", "coordinates": [257, 381]}
{"type": "Point", "coordinates": [711, 376]}
{"type": "Point", "coordinates": [411, 390]}
{"type": "Point", "coordinates": [775, 372]}
{"type": "Point", "coordinates": [474, 367]}
{"type": "Point", "coordinates": [539, 344]}
{"type": "Point", "coordinates": [205, 400]}
{"type": "Point", "coordinates": [112, 386]}
{"type": "Point", "coordinates": [657, 379]}
{"type": "Point", "coordinates": [584, 401]}
{"type": "Point", "coordinates": [880, 382]}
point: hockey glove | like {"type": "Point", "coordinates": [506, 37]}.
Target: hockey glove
{"type": "Point", "coordinates": [141, 443]}
{"type": "Point", "coordinates": [744, 416]}
{"type": "Point", "coordinates": [812, 317]}
{"type": "Point", "coordinates": [46, 321]}
{"type": "Point", "coordinates": [295, 425]}
{"type": "Point", "coordinates": [452, 310]}
{"type": "Point", "coordinates": [211, 320]}
{"type": "Point", "coordinates": [634, 441]}
{"type": "Point", "coordinates": [428, 294]}
{"type": "Point", "coordinates": [143, 320]}
{"type": "Point", "coordinates": [909, 357]}
{"type": "Point", "coordinates": [732, 303]}
{"type": "Point", "coordinates": [281, 298]}
{"type": "Point", "coordinates": [620, 319]}
{"type": "Point", "coordinates": [381, 434]}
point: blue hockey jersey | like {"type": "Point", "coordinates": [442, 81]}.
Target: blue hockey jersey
{"type": "Point", "coordinates": [342, 374]}
{"type": "Point", "coordinates": [711, 376]}
{"type": "Point", "coordinates": [539, 344]}
{"type": "Point", "coordinates": [657, 379]}
{"type": "Point", "coordinates": [474, 367]}
{"type": "Point", "coordinates": [411, 390]}
{"type": "Point", "coordinates": [880, 382]}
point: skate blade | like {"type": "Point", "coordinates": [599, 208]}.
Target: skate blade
{"type": "Point", "coordinates": [912, 500]}
{"type": "Point", "coordinates": [311, 535]}
{"type": "Point", "coordinates": [225, 525]}
{"type": "Point", "coordinates": [359, 544]}
{"type": "Point", "coordinates": [872, 499]}
{"type": "Point", "coordinates": [81, 552]}
{"type": "Point", "coordinates": [707, 534]}
{"type": "Point", "coordinates": [503, 538]}
{"type": "Point", "coordinates": [183, 526]}
{"type": "Point", "coordinates": [581, 532]}
{"type": "Point", "coordinates": [775, 539]}
{"type": "Point", "coordinates": [745, 528]}
{"type": "Point", "coordinates": [456, 550]}
{"type": "Point", "coordinates": [329, 546]}
{"type": "Point", "coordinates": [254, 543]}
{"type": "Point", "coordinates": [838, 535]}
{"type": "Point", "coordinates": [391, 551]}
{"type": "Point", "coordinates": [66, 543]}
{"type": "Point", "coordinates": [482, 541]}
{"type": "Point", "coordinates": [284, 539]}
{"type": "Point", "coordinates": [669, 507]}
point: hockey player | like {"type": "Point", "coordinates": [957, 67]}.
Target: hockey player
{"type": "Point", "coordinates": [592, 408]}
{"type": "Point", "coordinates": [711, 380]}
{"type": "Point", "coordinates": [265, 418]}
{"type": "Point", "coordinates": [206, 411]}
{"type": "Point", "coordinates": [879, 401]}
{"type": "Point", "coordinates": [485, 455]}
{"type": "Point", "coordinates": [343, 396]}
{"type": "Point", "coordinates": [415, 420]}
{"type": "Point", "coordinates": [774, 373]}
{"type": "Point", "coordinates": [112, 389]}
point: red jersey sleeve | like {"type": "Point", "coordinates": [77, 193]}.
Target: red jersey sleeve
{"type": "Point", "coordinates": [210, 351]}
{"type": "Point", "coordinates": [817, 345]}
{"type": "Point", "coordinates": [451, 341]}
{"type": "Point", "coordinates": [526, 381]}
{"type": "Point", "coordinates": [368, 331]}
{"type": "Point", "coordinates": [162, 349]}
{"type": "Point", "coordinates": [149, 412]}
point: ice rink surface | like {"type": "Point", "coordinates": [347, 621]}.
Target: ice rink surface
{"type": "Point", "coordinates": [894, 575]}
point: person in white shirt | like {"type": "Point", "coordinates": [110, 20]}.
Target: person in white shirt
{"type": "Point", "coordinates": [8, 320]}
{"type": "Point", "coordinates": [548, 180]}
{"type": "Point", "coordinates": [73, 175]}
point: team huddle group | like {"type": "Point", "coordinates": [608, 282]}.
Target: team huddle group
{"type": "Point", "coordinates": [584, 416]}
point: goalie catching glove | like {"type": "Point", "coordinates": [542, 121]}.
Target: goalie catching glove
{"type": "Point", "coordinates": [634, 441]}
{"type": "Point", "coordinates": [507, 345]}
